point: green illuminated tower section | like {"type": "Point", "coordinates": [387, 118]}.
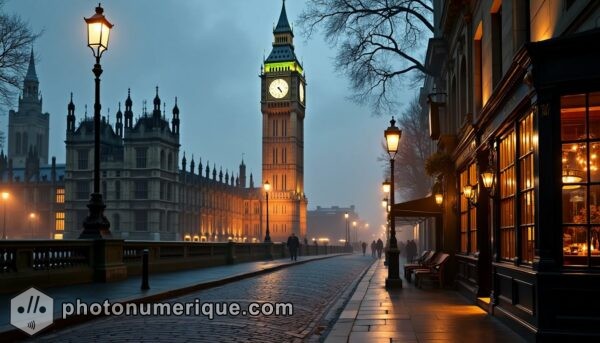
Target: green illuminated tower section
{"type": "Point", "coordinates": [283, 104]}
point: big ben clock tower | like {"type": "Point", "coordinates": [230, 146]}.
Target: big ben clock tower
{"type": "Point", "coordinates": [283, 105]}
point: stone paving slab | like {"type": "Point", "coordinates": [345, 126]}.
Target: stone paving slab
{"type": "Point", "coordinates": [413, 315]}
{"type": "Point", "coordinates": [162, 285]}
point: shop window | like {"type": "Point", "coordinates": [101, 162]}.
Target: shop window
{"type": "Point", "coordinates": [468, 212]}
{"type": "Point", "coordinates": [526, 189]}
{"type": "Point", "coordinates": [580, 134]}
{"type": "Point", "coordinates": [464, 214]}
{"type": "Point", "coordinates": [507, 197]}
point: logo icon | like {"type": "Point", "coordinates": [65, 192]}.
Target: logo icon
{"type": "Point", "coordinates": [31, 311]}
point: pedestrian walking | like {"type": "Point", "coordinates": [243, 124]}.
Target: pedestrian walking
{"type": "Point", "coordinates": [364, 248]}
{"type": "Point", "coordinates": [379, 248]}
{"type": "Point", "coordinates": [373, 249]}
{"type": "Point", "coordinates": [293, 244]}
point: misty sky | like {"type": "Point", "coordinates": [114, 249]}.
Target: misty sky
{"type": "Point", "coordinates": [208, 53]}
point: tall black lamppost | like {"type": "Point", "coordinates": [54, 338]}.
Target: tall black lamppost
{"type": "Point", "coordinates": [5, 196]}
{"type": "Point", "coordinates": [267, 187]}
{"type": "Point", "coordinates": [385, 185]}
{"type": "Point", "coordinates": [392, 139]}
{"type": "Point", "coordinates": [96, 225]}
{"type": "Point", "coordinates": [346, 215]}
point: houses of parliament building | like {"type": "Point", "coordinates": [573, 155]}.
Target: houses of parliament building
{"type": "Point", "coordinates": [150, 191]}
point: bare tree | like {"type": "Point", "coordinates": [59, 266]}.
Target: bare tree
{"type": "Point", "coordinates": [380, 43]}
{"type": "Point", "coordinates": [411, 180]}
{"type": "Point", "coordinates": [16, 39]}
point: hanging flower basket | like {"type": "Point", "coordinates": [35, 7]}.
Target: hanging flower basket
{"type": "Point", "coordinates": [439, 163]}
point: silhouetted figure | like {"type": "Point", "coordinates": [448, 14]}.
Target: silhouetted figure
{"type": "Point", "coordinates": [293, 244]}
{"type": "Point", "coordinates": [373, 249]}
{"type": "Point", "coordinates": [379, 248]}
{"type": "Point", "coordinates": [364, 247]}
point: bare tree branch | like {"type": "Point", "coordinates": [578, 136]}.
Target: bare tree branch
{"type": "Point", "coordinates": [379, 42]}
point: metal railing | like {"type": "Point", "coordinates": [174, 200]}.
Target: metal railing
{"type": "Point", "coordinates": [45, 263]}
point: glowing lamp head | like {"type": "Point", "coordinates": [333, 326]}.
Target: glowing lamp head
{"type": "Point", "coordinates": [98, 28]}
{"type": "Point", "coordinates": [488, 179]}
{"type": "Point", "coordinates": [267, 186]}
{"type": "Point", "coordinates": [346, 215]}
{"type": "Point", "coordinates": [439, 198]}
{"type": "Point", "coordinates": [392, 138]}
{"type": "Point", "coordinates": [467, 191]}
{"type": "Point", "coordinates": [384, 203]}
{"type": "Point", "coordinates": [31, 215]}
{"type": "Point", "coordinates": [353, 223]}
{"type": "Point", "coordinates": [386, 185]}
{"type": "Point", "coordinates": [5, 195]}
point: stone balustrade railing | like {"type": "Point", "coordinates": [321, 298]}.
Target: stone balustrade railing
{"type": "Point", "coordinates": [46, 263]}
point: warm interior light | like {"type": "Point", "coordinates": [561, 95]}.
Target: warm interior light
{"type": "Point", "coordinates": [570, 176]}
{"type": "Point", "coordinates": [467, 191]}
{"type": "Point", "coordinates": [488, 179]}
{"type": "Point", "coordinates": [439, 198]}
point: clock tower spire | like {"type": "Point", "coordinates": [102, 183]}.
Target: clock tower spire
{"type": "Point", "coordinates": [283, 106]}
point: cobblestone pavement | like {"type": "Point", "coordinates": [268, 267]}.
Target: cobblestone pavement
{"type": "Point", "coordinates": [310, 287]}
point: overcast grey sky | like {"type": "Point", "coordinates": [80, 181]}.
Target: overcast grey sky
{"type": "Point", "coordinates": [208, 53]}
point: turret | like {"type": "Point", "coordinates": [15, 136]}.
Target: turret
{"type": "Point", "coordinates": [119, 124]}
{"type": "Point", "coordinates": [128, 111]}
{"type": "Point", "coordinates": [71, 115]}
{"type": "Point", "coordinates": [175, 121]}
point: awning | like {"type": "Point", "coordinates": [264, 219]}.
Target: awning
{"type": "Point", "coordinates": [416, 211]}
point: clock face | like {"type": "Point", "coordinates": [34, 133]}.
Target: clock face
{"type": "Point", "coordinates": [301, 91]}
{"type": "Point", "coordinates": [278, 88]}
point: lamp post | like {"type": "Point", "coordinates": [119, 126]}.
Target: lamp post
{"type": "Point", "coordinates": [267, 187]}
{"type": "Point", "coordinates": [392, 138]}
{"type": "Point", "coordinates": [96, 225]}
{"type": "Point", "coordinates": [32, 217]}
{"type": "Point", "coordinates": [346, 215]}
{"type": "Point", "coordinates": [5, 196]}
{"type": "Point", "coordinates": [355, 231]}
{"type": "Point", "coordinates": [386, 190]}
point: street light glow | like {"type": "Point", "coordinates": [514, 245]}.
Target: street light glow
{"type": "Point", "coordinates": [5, 195]}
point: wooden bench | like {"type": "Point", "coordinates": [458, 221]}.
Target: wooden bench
{"type": "Point", "coordinates": [423, 262]}
{"type": "Point", "coordinates": [434, 272]}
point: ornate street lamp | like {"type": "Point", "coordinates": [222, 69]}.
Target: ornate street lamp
{"type": "Point", "coordinates": [5, 197]}
{"type": "Point", "coordinates": [96, 225]}
{"type": "Point", "coordinates": [392, 138]}
{"type": "Point", "coordinates": [267, 187]}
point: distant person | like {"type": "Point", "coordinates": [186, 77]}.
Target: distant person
{"type": "Point", "coordinates": [364, 247]}
{"type": "Point", "coordinates": [379, 248]}
{"type": "Point", "coordinates": [373, 249]}
{"type": "Point", "coordinates": [293, 243]}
